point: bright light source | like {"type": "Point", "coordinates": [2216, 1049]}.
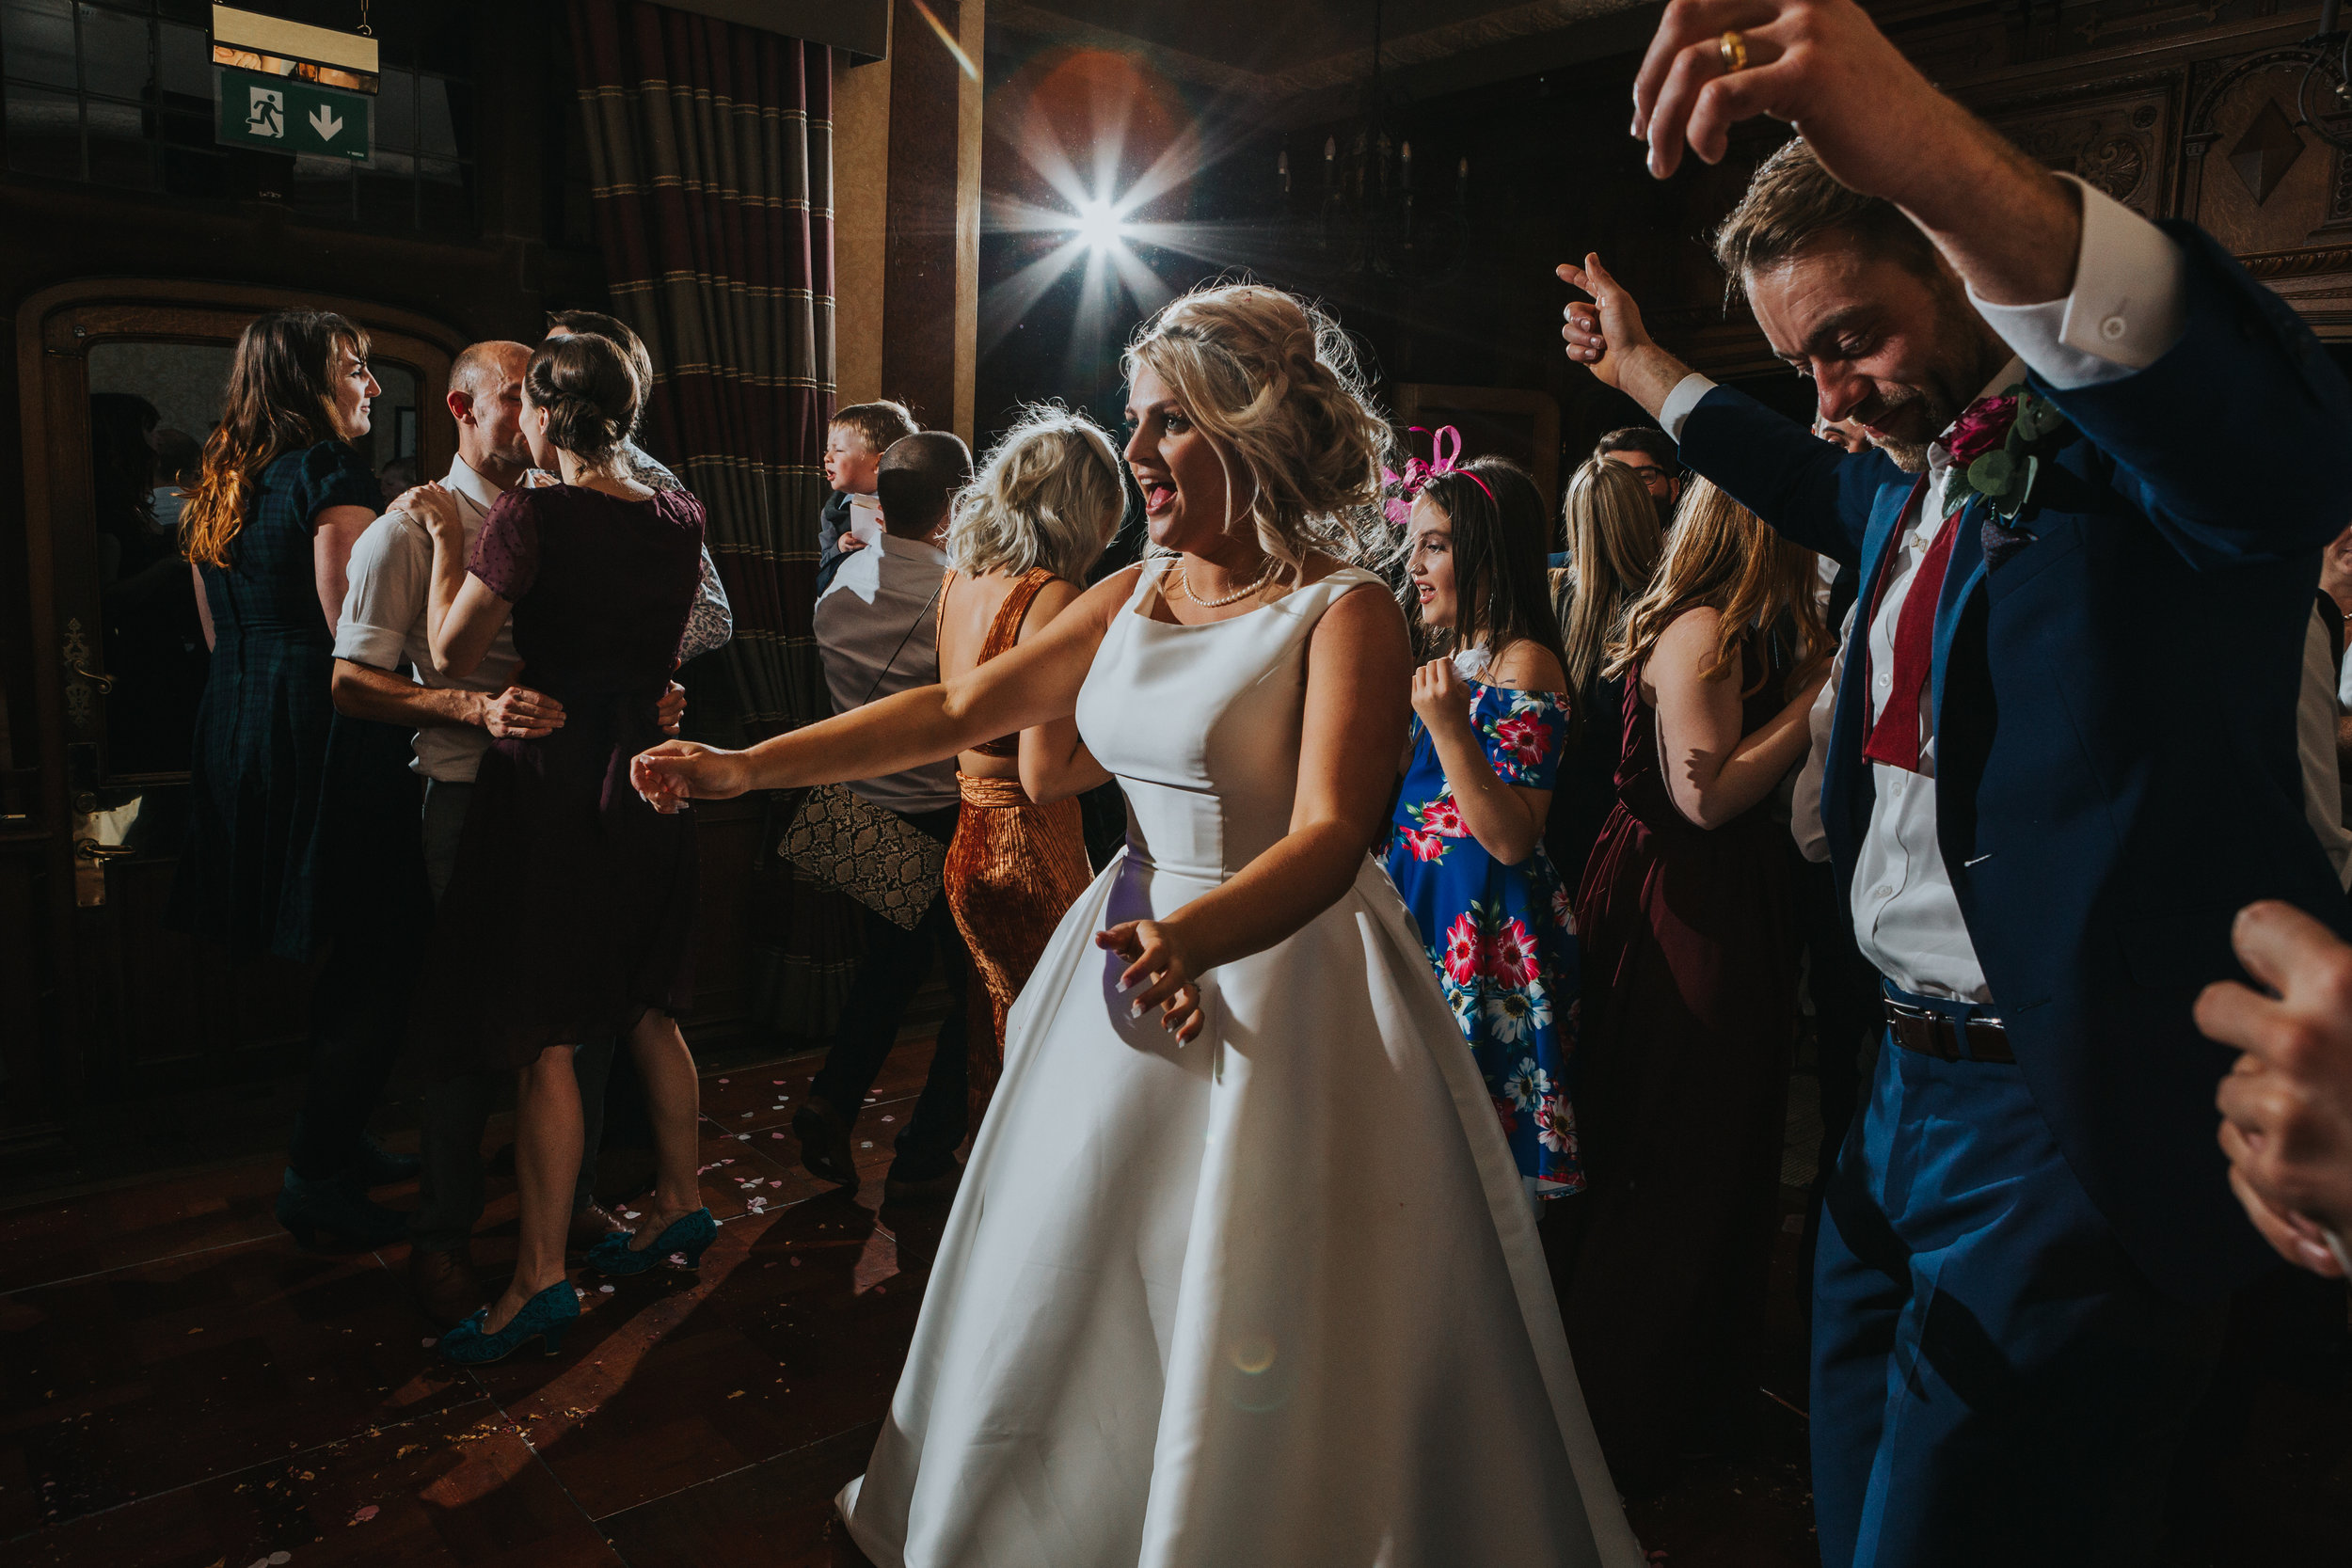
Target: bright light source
{"type": "Point", "coordinates": [1099, 225]}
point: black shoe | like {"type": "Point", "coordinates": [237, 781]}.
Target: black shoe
{"type": "Point", "coordinates": [445, 1286]}
{"type": "Point", "coordinates": [825, 1152]}
{"type": "Point", "coordinates": [915, 1190]}
{"type": "Point", "coordinates": [339, 1208]}
{"type": "Point", "coordinates": [380, 1168]}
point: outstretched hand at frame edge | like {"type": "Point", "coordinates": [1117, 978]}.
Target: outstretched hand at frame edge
{"type": "Point", "coordinates": [2287, 1104]}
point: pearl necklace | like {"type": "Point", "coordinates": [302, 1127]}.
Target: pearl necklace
{"type": "Point", "coordinates": [1184, 580]}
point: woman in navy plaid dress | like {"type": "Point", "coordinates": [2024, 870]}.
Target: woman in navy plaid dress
{"type": "Point", "coordinates": [295, 835]}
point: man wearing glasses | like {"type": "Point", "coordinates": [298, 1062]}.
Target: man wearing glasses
{"type": "Point", "coordinates": [1650, 453]}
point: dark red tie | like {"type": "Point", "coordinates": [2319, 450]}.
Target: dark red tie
{"type": "Point", "coordinates": [1895, 739]}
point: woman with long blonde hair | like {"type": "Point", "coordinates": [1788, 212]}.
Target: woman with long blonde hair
{"type": "Point", "coordinates": [286, 845]}
{"type": "Point", "coordinates": [1022, 537]}
{"type": "Point", "coordinates": [1690, 978]}
{"type": "Point", "coordinates": [1614, 542]}
{"type": "Point", "coordinates": [1240, 1270]}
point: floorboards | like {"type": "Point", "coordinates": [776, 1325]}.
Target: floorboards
{"type": "Point", "coordinates": [182, 1387]}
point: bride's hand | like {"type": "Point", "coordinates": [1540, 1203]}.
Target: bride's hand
{"type": "Point", "coordinates": [1157, 953]}
{"type": "Point", "coordinates": [676, 771]}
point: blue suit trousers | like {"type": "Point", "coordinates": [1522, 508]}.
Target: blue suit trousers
{"type": "Point", "coordinates": [1993, 1380]}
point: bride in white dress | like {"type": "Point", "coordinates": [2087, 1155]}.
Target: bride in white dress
{"type": "Point", "coordinates": [1240, 1271]}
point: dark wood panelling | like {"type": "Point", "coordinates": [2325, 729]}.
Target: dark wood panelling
{"type": "Point", "coordinates": [2146, 101]}
{"type": "Point", "coordinates": [101, 1002]}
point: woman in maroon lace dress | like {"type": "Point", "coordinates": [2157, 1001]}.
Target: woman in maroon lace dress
{"type": "Point", "coordinates": [570, 913]}
{"type": "Point", "coordinates": [1689, 1004]}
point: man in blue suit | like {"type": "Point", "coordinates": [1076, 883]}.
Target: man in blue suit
{"type": "Point", "coordinates": [2064, 753]}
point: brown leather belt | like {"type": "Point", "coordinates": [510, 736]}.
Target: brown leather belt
{"type": "Point", "coordinates": [1947, 1038]}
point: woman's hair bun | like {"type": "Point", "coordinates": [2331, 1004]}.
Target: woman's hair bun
{"type": "Point", "coordinates": [590, 393]}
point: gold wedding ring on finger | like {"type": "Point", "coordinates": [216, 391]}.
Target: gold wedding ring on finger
{"type": "Point", "coordinates": [1733, 50]}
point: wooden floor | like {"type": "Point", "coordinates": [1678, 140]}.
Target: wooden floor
{"type": "Point", "coordinates": [182, 1387]}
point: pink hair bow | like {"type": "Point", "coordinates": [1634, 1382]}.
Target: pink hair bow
{"type": "Point", "coordinates": [1445, 449]}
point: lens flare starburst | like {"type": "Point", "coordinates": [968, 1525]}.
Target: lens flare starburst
{"type": "Point", "coordinates": [1100, 225]}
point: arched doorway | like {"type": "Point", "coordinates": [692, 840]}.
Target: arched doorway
{"type": "Point", "coordinates": [95, 776]}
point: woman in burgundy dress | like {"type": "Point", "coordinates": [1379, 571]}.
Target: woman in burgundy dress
{"type": "Point", "coordinates": [1689, 1004]}
{"type": "Point", "coordinates": [570, 913]}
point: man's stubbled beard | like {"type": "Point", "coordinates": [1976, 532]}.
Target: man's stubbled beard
{"type": "Point", "coordinates": [1968, 353]}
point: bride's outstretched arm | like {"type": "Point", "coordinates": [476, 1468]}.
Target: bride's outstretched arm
{"type": "Point", "coordinates": [1360, 681]}
{"type": "Point", "coordinates": [1031, 684]}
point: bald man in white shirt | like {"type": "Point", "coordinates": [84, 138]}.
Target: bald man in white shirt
{"type": "Point", "coordinates": [382, 633]}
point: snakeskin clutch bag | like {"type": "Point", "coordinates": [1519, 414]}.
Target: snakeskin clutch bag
{"type": "Point", "coordinates": [871, 854]}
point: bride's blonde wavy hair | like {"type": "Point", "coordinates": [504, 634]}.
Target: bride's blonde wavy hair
{"type": "Point", "coordinates": [1273, 382]}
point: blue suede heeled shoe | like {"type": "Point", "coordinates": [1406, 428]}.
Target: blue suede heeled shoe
{"type": "Point", "coordinates": [687, 1237]}
{"type": "Point", "coordinates": [545, 1317]}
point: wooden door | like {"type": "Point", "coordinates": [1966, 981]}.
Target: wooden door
{"type": "Point", "coordinates": [116, 670]}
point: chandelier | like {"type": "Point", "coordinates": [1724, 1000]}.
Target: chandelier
{"type": "Point", "coordinates": [2331, 54]}
{"type": "Point", "coordinates": [1376, 216]}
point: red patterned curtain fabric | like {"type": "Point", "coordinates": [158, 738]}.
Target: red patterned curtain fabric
{"type": "Point", "coordinates": [710, 155]}
{"type": "Point", "coordinates": [710, 158]}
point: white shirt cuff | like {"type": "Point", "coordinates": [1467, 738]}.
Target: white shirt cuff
{"type": "Point", "coordinates": [2125, 314]}
{"type": "Point", "coordinates": [1679, 403]}
{"type": "Point", "coordinates": [380, 647]}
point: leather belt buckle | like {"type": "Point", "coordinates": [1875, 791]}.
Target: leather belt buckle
{"type": "Point", "coordinates": [1939, 1035]}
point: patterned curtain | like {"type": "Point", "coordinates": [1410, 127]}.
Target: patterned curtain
{"type": "Point", "coordinates": [710, 158]}
{"type": "Point", "coordinates": [710, 154]}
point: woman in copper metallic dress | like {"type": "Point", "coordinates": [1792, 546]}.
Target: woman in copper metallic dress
{"type": "Point", "coordinates": [1023, 536]}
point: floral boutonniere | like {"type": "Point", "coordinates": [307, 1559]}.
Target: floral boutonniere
{"type": "Point", "coordinates": [1994, 447]}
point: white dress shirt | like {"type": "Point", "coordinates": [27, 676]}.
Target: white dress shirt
{"type": "Point", "coordinates": [384, 621]}
{"type": "Point", "coordinates": [2124, 312]}
{"type": "Point", "coordinates": [2315, 741]}
{"type": "Point", "coordinates": [1804, 803]}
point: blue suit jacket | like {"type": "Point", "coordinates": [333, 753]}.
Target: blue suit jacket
{"type": "Point", "coordinates": [2115, 718]}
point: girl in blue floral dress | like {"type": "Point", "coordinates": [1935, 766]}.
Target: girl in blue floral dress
{"type": "Point", "coordinates": [1465, 849]}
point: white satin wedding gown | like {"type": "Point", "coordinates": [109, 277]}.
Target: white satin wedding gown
{"type": "Point", "coordinates": [1272, 1297]}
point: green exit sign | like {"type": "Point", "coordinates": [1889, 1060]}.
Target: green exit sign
{"type": "Point", "coordinates": [284, 114]}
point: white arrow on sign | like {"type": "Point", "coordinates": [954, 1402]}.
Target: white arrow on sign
{"type": "Point", "coordinates": [325, 122]}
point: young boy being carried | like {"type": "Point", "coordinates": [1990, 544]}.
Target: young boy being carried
{"type": "Point", "coordinates": [854, 442]}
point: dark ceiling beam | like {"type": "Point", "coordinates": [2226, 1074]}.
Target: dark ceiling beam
{"type": "Point", "coordinates": [862, 28]}
{"type": "Point", "coordinates": [1510, 41]}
